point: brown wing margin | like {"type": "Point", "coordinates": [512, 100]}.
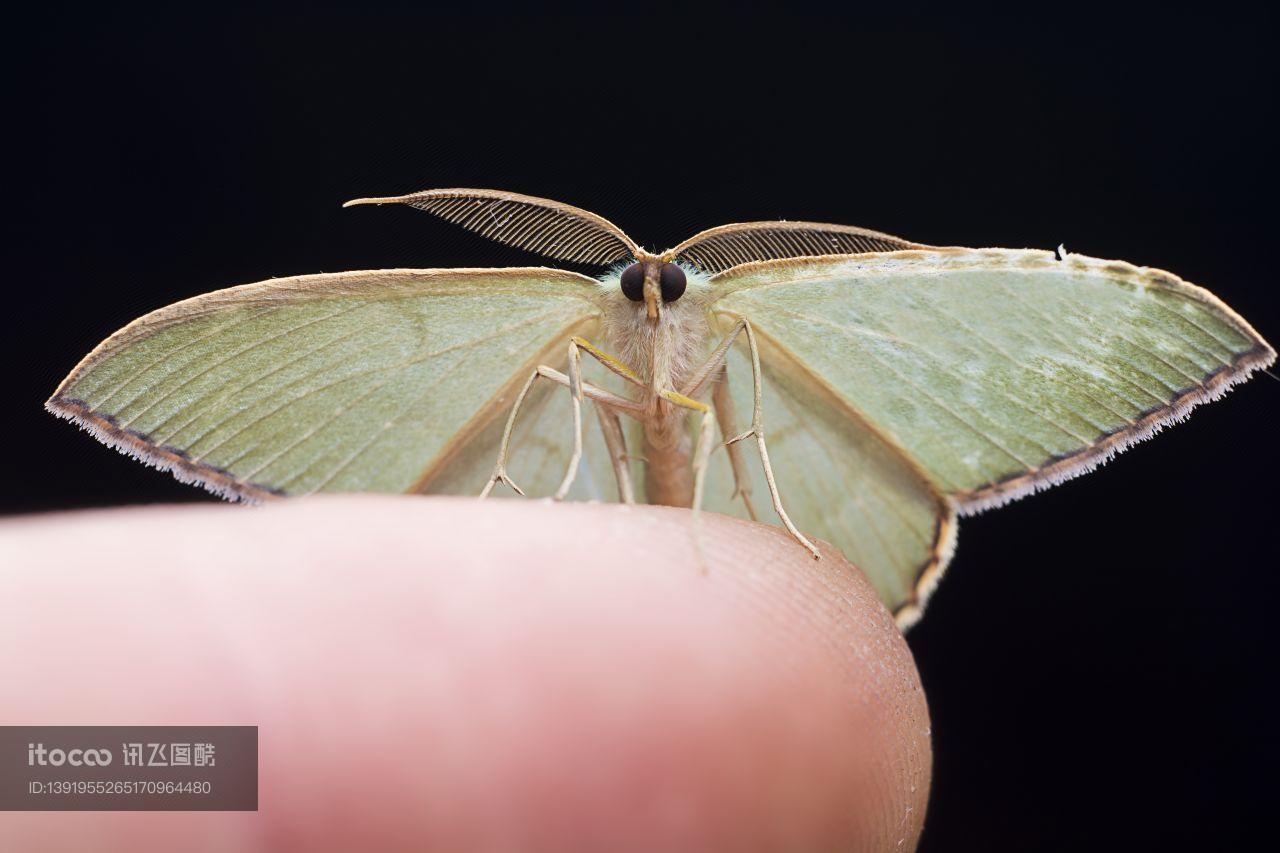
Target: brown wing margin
{"type": "Point", "coordinates": [718, 249]}
{"type": "Point", "coordinates": [540, 225]}
{"type": "Point", "coordinates": [909, 612]}
{"type": "Point", "coordinates": [162, 457]}
{"type": "Point", "coordinates": [1148, 423]}
{"type": "Point", "coordinates": [1107, 445]}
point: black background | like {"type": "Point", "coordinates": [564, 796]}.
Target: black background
{"type": "Point", "coordinates": [1100, 659]}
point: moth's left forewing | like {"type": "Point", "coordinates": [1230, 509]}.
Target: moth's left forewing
{"type": "Point", "coordinates": [356, 381]}
{"type": "Point", "coordinates": [999, 372]}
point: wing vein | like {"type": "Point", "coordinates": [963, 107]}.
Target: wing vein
{"type": "Point", "coordinates": [186, 345]}
{"type": "Point", "coordinates": [186, 381]}
{"type": "Point", "coordinates": [348, 377]}
{"type": "Point", "coordinates": [230, 394]}
{"type": "Point", "coordinates": [1049, 324]}
{"type": "Point", "coordinates": [906, 379]}
{"type": "Point", "coordinates": [392, 371]}
{"type": "Point", "coordinates": [1018, 365]}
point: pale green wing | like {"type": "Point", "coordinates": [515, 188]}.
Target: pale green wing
{"type": "Point", "coordinates": [999, 372]}
{"type": "Point", "coordinates": [840, 481]}
{"type": "Point", "coordinates": [366, 381]}
{"type": "Point", "coordinates": [540, 444]}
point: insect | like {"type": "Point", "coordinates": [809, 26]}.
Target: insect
{"type": "Point", "coordinates": [843, 383]}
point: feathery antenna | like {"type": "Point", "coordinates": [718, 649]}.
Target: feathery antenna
{"type": "Point", "coordinates": [718, 249]}
{"type": "Point", "coordinates": [540, 225]}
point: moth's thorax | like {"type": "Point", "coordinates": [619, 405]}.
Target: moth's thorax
{"type": "Point", "coordinates": [662, 352]}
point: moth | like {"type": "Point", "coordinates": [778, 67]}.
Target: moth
{"type": "Point", "coordinates": [845, 384]}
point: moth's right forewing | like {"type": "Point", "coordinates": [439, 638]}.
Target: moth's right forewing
{"type": "Point", "coordinates": [1000, 371]}
{"type": "Point", "coordinates": [338, 382]}
{"type": "Point", "coordinates": [993, 372]}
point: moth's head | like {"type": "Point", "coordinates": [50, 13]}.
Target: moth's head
{"type": "Point", "coordinates": [654, 283]}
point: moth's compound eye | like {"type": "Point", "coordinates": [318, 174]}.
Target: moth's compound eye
{"type": "Point", "coordinates": [672, 281]}
{"type": "Point", "coordinates": [633, 283]}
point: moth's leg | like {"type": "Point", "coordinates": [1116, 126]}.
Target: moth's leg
{"type": "Point", "coordinates": [703, 445]}
{"type": "Point", "coordinates": [499, 474]}
{"type": "Point", "coordinates": [727, 416]}
{"type": "Point", "coordinates": [725, 412]}
{"type": "Point", "coordinates": [714, 364]}
{"type": "Point", "coordinates": [595, 393]}
{"type": "Point", "coordinates": [699, 380]}
{"type": "Point", "coordinates": [612, 363]}
{"type": "Point", "coordinates": [575, 392]}
{"type": "Point", "coordinates": [611, 427]}
{"type": "Point", "coordinates": [757, 429]}
{"type": "Point", "coordinates": [591, 392]}
{"type": "Point", "coordinates": [577, 345]}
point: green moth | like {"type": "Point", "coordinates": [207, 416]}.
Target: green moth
{"type": "Point", "coordinates": [901, 384]}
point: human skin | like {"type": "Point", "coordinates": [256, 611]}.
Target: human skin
{"type": "Point", "coordinates": [446, 674]}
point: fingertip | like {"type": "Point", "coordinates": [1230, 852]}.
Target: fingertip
{"type": "Point", "coordinates": [456, 674]}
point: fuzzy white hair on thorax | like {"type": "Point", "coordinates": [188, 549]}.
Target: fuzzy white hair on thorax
{"type": "Point", "coordinates": [683, 323]}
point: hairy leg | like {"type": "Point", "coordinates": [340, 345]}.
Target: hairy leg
{"type": "Point", "coordinates": [699, 381]}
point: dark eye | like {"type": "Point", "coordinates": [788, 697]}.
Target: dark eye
{"type": "Point", "coordinates": [672, 281]}
{"type": "Point", "coordinates": [633, 282]}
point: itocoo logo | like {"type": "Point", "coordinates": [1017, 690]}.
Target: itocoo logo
{"type": "Point", "coordinates": [38, 755]}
